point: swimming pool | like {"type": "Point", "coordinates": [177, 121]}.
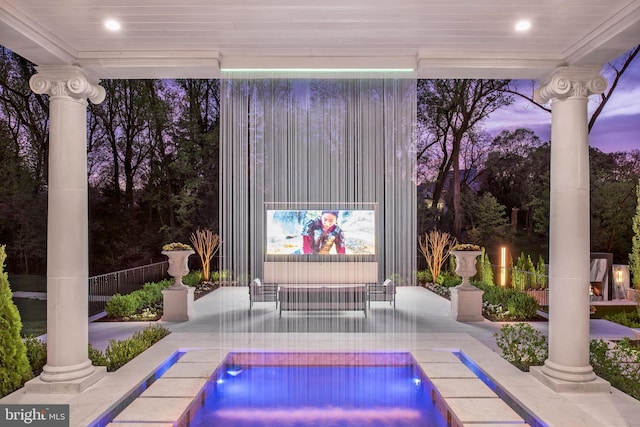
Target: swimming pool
{"type": "Point", "coordinates": [346, 390]}
{"type": "Point", "coordinates": [398, 388]}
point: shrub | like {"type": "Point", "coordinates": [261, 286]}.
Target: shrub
{"type": "Point", "coordinates": [424, 276]}
{"type": "Point", "coordinates": [127, 305]}
{"type": "Point", "coordinates": [485, 269]}
{"type": "Point", "coordinates": [518, 273]}
{"type": "Point", "coordinates": [541, 272]}
{"type": "Point", "coordinates": [193, 278]}
{"type": "Point", "coordinates": [522, 345]}
{"type": "Point", "coordinates": [494, 294]}
{"type": "Point", "coordinates": [521, 306]}
{"type": "Point", "coordinates": [151, 293]}
{"type": "Point", "coordinates": [483, 285]}
{"type": "Point", "coordinates": [119, 353]}
{"type": "Point", "coordinates": [122, 305]}
{"type": "Point", "coordinates": [36, 353]}
{"type": "Point", "coordinates": [619, 364]}
{"type": "Point", "coordinates": [625, 318]}
{"type": "Point", "coordinates": [219, 276]}
{"type": "Point", "coordinates": [513, 304]}
{"type": "Point", "coordinates": [14, 365]}
{"type": "Point", "coordinates": [448, 280]}
{"type": "Point", "coordinates": [97, 357]}
{"type": "Point", "coordinates": [152, 334]}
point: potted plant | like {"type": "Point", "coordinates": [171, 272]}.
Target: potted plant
{"type": "Point", "coordinates": [178, 254]}
{"type": "Point", "coordinates": [466, 300]}
{"type": "Point", "coordinates": [466, 254]}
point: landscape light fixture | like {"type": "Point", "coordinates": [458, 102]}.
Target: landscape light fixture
{"type": "Point", "coordinates": [503, 266]}
{"type": "Point", "coordinates": [618, 277]}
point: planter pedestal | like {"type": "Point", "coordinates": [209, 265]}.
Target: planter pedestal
{"type": "Point", "coordinates": [466, 300]}
{"type": "Point", "coordinates": [466, 304]}
{"type": "Point", "coordinates": [177, 304]}
{"type": "Point", "coordinates": [177, 300]}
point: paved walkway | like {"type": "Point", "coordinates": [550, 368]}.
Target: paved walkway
{"type": "Point", "coordinates": [417, 310]}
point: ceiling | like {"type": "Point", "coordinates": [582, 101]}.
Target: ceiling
{"type": "Point", "coordinates": [438, 38]}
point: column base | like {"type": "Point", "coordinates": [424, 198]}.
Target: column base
{"type": "Point", "coordinates": [177, 304]}
{"type": "Point", "coordinates": [38, 386]}
{"type": "Point", "coordinates": [596, 385]}
{"type": "Point", "coordinates": [466, 304]}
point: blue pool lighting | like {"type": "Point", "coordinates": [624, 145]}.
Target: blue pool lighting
{"type": "Point", "coordinates": [234, 370]}
{"type": "Point", "coordinates": [340, 393]}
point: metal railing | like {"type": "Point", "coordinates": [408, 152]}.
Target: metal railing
{"type": "Point", "coordinates": [104, 286]}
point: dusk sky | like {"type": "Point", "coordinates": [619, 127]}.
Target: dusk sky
{"type": "Point", "coordinates": [617, 128]}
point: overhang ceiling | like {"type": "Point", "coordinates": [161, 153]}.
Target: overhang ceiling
{"type": "Point", "coordinates": [438, 38]}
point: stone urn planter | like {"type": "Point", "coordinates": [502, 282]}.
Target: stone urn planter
{"type": "Point", "coordinates": [178, 266]}
{"type": "Point", "coordinates": [177, 300]}
{"type": "Point", "coordinates": [466, 300]}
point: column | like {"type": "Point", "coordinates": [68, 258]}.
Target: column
{"type": "Point", "coordinates": [68, 367]}
{"type": "Point", "coordinates": [568, 368]}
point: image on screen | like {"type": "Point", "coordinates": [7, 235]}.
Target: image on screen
{"type": "Point", "coordinates": [321, 232]}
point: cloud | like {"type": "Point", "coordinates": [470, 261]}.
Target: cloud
{"type": "Point", "coordinates": [624, 102]}
{"type": "Point", "coordinates": [616, 133]}
{"type": "Point", "coordinates": [616, 129]}
{"type": "Point", "coordinates": [520, 114]}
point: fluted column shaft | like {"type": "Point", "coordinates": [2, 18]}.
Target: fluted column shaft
{"type": "Point", "coordinates": [67, 228]}
{"type": "Point", "coordinates": [568, 88]}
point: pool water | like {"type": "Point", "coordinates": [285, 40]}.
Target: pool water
{"type": "Point", "coordinates": [327, 396]}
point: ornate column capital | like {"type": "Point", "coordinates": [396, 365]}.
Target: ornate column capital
{"type": "Point", "coordinates": [565, 82]}
{"type": "Point", "coordinates": [68, 80]}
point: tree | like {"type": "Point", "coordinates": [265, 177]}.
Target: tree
{"type": "Point", "coordinates": [450, 110]}
{"type": "Point", "coordinates": [613, 71]}
{"type": "Point", "coordinates": [183, 181]}
{"type": "Point", "coordinates": [489, 221]}
{"type": "Point", "coordinates": [634, 256]}
{"type": "Point", "coordinates": [126, 118]}
{"type": "Point", "coordinates": [152, 151]}
{"type": "Point", "coordinates": [14, 365]}
{"type": "Point", "coordinates": [514, 172]}
{"type": "Point", "coordinates": [435, 247]}
{"type": "Point", "coordinates": [206, 244]}
{"type": "Point", "coordinates": [124, 132]}
{"type": "Point", "coordinates": [612, 194]}
{"type": "Point", "coordinates": [24, 147]}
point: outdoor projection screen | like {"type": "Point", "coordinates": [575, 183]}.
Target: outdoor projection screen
{"type": "Point", "coordinates": [321, 232]}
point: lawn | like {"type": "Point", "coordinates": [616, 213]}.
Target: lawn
{"type": "Point", "coordinates": [33, 312]}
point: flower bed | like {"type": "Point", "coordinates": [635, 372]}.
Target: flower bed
{"type": "Point", "coordinates": [146, 304]}
{"type": "Point", "coordinates": [498, 304]}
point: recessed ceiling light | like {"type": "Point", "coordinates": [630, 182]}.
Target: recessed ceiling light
{"type": "Point", "coordinates": [523, 25]}
{"type": "Point", "coordinates": [112, 25]}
